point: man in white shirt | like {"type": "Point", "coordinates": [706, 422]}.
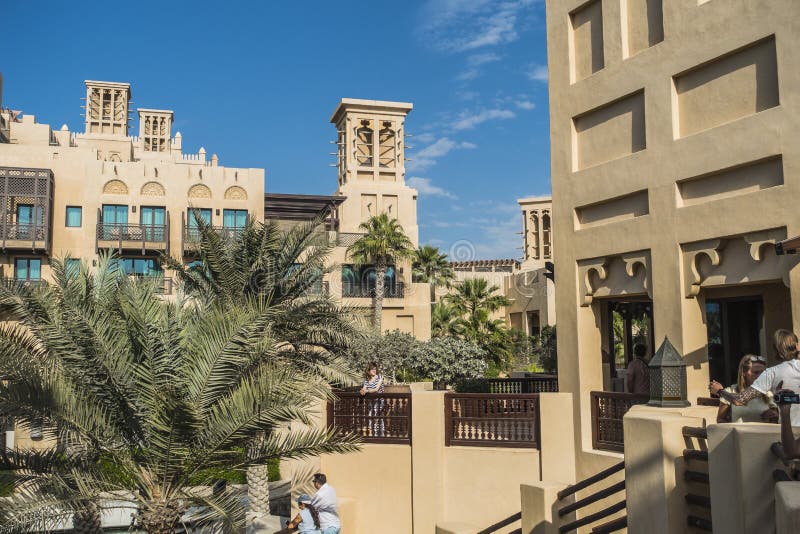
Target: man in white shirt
{"type": "Point", "coordinates": [785, 375]}
{"type": "Point", "coordinates": [327, 505]}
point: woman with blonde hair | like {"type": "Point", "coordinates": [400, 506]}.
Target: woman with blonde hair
{"type": "Point", "coordinates": [758, 409]}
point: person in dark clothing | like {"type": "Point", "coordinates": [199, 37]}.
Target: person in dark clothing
{"type": "Point", "coordinates": [637, 377]}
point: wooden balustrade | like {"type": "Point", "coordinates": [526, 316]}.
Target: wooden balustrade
{"type": "Point", "coordinates": [486, 420]}
{"type": "Point", "coordinates": [375, 417]}
{"type": "Point", "coordinates": [608, 408]}
{"type": "Point", "coordinates": [530, 384]}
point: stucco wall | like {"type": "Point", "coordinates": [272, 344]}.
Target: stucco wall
{"type": "Point", "coordinates": [655, 110]}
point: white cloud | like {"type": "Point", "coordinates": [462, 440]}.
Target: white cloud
{"type": "Point", "coordinates": [537, 73]}
{"type": "Point", "coordinates": [525, 104]}
{"type": "Point", "coordinates": [465, 25]}
{"type": "Point", "coordinates": [469, 120]}
{"type": "Point", "coordinates": [474, 62]}
{"type": "Point", "coordinates": [427, 156]}
{"type": "Point", "coordinates": [425, 187]}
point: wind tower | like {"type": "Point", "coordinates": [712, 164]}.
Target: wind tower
{"type": "Point", "coordinates": [371, 163]}
{"type": "Point", "coordinates": [107, 107]}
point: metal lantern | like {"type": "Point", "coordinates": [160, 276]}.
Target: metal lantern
{"type": "Point", "coordinates": [668, 378]}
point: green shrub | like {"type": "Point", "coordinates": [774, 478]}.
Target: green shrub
{"type": "Point", "coordinates": [446, 360]}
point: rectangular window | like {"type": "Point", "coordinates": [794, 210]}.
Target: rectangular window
{"type": "Point", "coordinates": [115, 214]}
{"type": "Point", "coordinates": [72, 265]}
{"type": "Point", "coordinates": [153, 219]}
{"type": "Point", "coordinates": [234, 218]}
{"type": "Point", "coordinates": [27, 269]}
{"type": "Point", "coordinates": [141, 266]}
{"type": "Point", "coordinates": [360, 281]}
{"type": "Point", "coordinates": [74, 216]}
{"type": "Point", "coordinates": [203, 214]}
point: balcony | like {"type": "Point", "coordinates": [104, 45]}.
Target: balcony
{"type": "Point", "coordinates": [27, 209]}
{"type": "Point", "coordinates": [191, 237]}
{"type": "Point", "coordinates": [392, 291]}
{"type": "Point", "coordinates": [133, 237]}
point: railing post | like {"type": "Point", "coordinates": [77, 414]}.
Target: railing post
{"type": "Point", "coordinates": [448, 419]}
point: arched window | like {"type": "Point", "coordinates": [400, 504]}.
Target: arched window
{"type": "Point", "coordinates": [364, 140]}
{"type": "Point", "coordinates": [387, 146]}
{"type": "Point", "coordinates": [546, 234]}
{"type": "Point", "coordinates": [535, 236]}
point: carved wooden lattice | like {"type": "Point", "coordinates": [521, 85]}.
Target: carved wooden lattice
{"type": "Point", "coordinates": [489, 420]}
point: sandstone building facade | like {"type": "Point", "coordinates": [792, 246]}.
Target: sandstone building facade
{"type": "Point", "coordinates": [73, 195]}
{"type": "Point", "coordinates": [674, 172]}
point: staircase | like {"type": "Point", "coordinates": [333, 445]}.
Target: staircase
{"type": "Point", "coordinates": [613, 525]}
{"type": "Point", "coordinates": [695, 458]}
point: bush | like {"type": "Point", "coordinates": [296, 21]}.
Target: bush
{"type": "Point", "coordinates": [391, 351]}
{"type": "Point", "coordinates": [446, 360]}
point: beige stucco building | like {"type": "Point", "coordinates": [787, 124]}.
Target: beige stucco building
{"type": "Point", "coordinates": [674, 171]}
{"type": "Point", "coordinates": [72, 195]}
{"type": "Point", "coordinates": [524, 283]}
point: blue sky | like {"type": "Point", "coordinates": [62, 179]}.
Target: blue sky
{"type": "Point", "coordinates": [256, 82]}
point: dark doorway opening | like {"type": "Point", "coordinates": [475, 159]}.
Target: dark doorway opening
{"type": "Point", "coordinates": [735, 328]}
{"type": "Point", "coordinates": [629, 323]}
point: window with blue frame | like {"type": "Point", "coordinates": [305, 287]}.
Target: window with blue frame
{"type": "Point", "coordinates": [74, 216]}
{"type": "Point", "coordinates": [115, 216]}
{"type": "Point", "coordinates": [28, 218]}
{"type": "Point", "coordinates": [72, 265]}
{"type": "Point", "coordinates": [201, 214]}
{"type": "Point", "coordinates": [140, 266]}
{"type": "Point", "coordinates": [360, 281]}
{"type": "Point", "coordinates": [234, 218]}
{"type": "Point", "coordinates": [195, 215]}
{"type": "Point", "coordinates": [153, 219]}
{"type": "Point", "coordinates": [27, 269]}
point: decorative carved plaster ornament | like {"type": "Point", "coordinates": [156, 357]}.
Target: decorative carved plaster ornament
{"type": "Point", "coordinates": [692, 276]}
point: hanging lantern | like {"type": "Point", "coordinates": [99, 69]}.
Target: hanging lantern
{"type": "Point", "coordinates": [668, 378]}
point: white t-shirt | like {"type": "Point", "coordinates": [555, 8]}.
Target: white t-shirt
{"type": "Point", "coordinates": [789, 374]}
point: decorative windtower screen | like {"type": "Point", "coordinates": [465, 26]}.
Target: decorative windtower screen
{"type": "Point", "coordinates": [155, 129]}
{"type": "Point", "coordinates": [370, 140]}
{"type": "Point", "coordinates": [107, 107]}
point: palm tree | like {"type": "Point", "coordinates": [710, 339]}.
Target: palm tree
{"type": "Point", "coordinates": [475, 294]}
{"type": "Point", "coordinates": [445, 320]}
{"type": "Point", "coordinates": [383, 243]}
{"type": "Point", "coordinates": [475, 300]}
{"type": "Point", "coordinates": [431, 266]}
{"type": "Point", "coordinates": [146, 397]}
{"type": "Point", "coordinates": [282, 271]}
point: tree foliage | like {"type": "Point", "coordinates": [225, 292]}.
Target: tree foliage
{"type": "Point", "coordinates": [431, 266]}
{"type": "Point", "coordinates": [447, 359]}
{"type": "Point", "coordinates": [383, 243]}
{"type": "Point", "coordinates": [168, 390]}
{"type": "Point", "coordinates": [392, 351]}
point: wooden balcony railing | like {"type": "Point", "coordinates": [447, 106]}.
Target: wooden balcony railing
{"type": "Point", "coordinates": [376, 418]}
{"type": "Point", "coordinates": [608, 409]}
{"type": "Point", "coordinates": [529, 384]}
{"type": "Point", "coordinates": [486, 420]}
{"type": "Point", "coordinates": [132, 236]}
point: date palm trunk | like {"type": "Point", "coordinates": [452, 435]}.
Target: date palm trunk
{"type": "Point", "coordinates": [87, 520]}
{"type": "Point", "coordinates": [162, 517]}
{"type": "Point", "coordinates": [377, 299]}
{"type": "Point", "coordinates": [258, 488]}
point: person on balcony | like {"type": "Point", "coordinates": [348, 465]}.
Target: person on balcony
{"type": "Point", "coordinates": [785, 375]}
{"type": "Point", "coordinates": [758, 410]}
{"type": "Point", "coordinates": [373, 383]}
{"type": "Point", "coordinates": [637, 376]}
